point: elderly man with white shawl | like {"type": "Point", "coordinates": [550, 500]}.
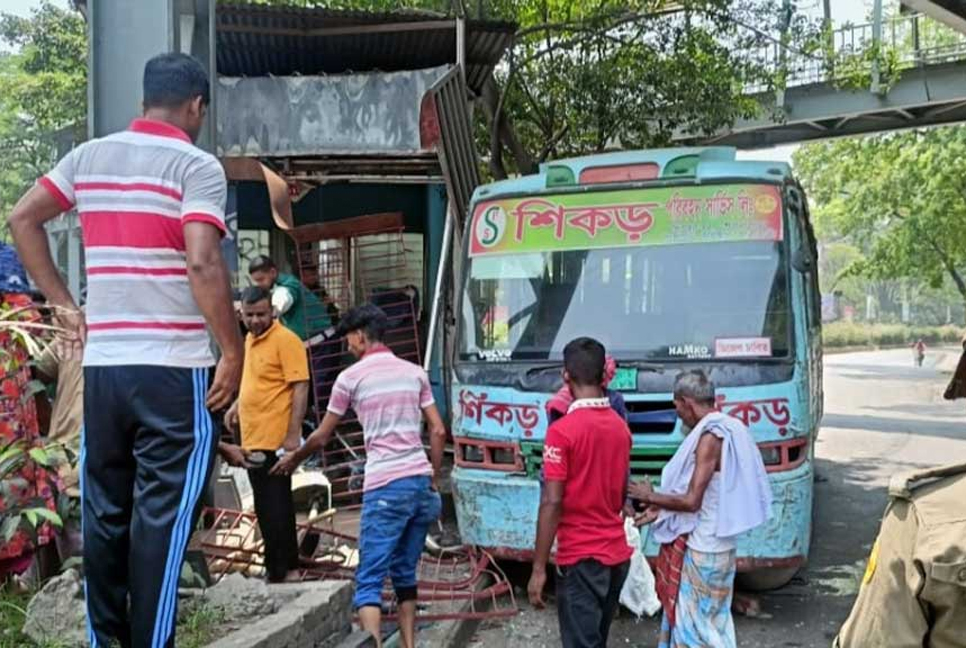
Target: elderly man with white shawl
{"type": "Point", "coordinates": [713, 489]}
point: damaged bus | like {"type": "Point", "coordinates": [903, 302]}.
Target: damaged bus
{"type": "Point", "coordinates": [674, 259]}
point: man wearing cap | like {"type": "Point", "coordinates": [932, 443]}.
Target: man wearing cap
{"type": "Point", "coordinates": [913, 593]}
{"type": "Point", "coordinates": [390, 396]}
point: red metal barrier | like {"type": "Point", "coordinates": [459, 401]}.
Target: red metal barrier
{"type": "Point", "coordinates": [463, 584]}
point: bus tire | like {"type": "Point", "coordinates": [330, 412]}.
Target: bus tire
{"type": "Point", "coordinates": [761, 580]}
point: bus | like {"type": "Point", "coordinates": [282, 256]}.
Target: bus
{"type": "Point", "coordinates": [674, 259]}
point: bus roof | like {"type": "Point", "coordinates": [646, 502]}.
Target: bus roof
{"type": "Point", "coordinates": [695, 164]}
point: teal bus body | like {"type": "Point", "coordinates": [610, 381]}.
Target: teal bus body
{"type": "Point", "coordinates": [676, 259]}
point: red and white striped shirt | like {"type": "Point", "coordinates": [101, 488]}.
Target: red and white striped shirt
{"type": "Point", "coordinates": [388, 395]}
{"type": "Point", "coordinates": [134, 191]}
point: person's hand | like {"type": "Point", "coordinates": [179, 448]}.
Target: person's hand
{"type": "Point", "coordinates": [234, 455]}
{"type": "Point", "coordinates": [73, 325]}
{"type": "Point", "coordinates": [538, 579]}
{"type": "Point", "coordinates": [291, 443]}
{"type": "Point", "coordinates": [225, 385]}
{"type": "Point", "coordinates": [640, 490]}
{"type": "Point", "coordinates": [434, 483]}
{"type": "Point", "coordinates": [649, 515]}
{"type": "Point", "coordinates": [286, 465]}
{"type": "Point", "coordinates": [231, 417]}
{"type": "Point", "coordinates": [629, 511]}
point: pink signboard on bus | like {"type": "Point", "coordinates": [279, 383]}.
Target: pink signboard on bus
{"type": "Point", "coordinates": [630, 217]}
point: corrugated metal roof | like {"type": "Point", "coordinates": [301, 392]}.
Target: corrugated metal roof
{"type": "Point", "coordinates": [258, 40]}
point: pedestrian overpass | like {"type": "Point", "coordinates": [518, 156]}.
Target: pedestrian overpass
{"type": "Point", "coordinates": [918, 80]}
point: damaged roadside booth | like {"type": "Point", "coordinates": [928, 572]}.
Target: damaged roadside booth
{"type": "Point", "coordinates": [347, 142]}
{"type": "Point", "coordinates": [346, 139]}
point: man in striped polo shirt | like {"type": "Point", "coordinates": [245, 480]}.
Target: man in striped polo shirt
{"type": "Point", "coordinates": [151, 208]}
{"type": "Point", "coordinates": [390, 396]}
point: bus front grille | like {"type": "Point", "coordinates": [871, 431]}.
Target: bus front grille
{"type": "Point", "coordinates": [646, 461]}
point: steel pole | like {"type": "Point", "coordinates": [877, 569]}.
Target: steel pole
{"type": "Point", "coordinates": [440, 278]}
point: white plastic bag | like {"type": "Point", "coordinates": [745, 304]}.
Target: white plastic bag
{"type": "Point", "coordinates": [638, 594]}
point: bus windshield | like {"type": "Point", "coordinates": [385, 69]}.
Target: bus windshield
{"type": "Point", "coordinates": [724, 300]}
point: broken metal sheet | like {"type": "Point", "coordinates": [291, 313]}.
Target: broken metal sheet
{"type": "Point", "coordinates": [375, 113]}
{"type": "Point", "coordinates": [460, 584]}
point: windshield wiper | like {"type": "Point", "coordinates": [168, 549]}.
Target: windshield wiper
{"type": "Point", "coordinates": [651, 367]}
{"type": "Point", "coordinates": [533, 371]}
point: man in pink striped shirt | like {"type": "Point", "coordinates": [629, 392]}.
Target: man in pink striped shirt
{"type": "Point", "coordinates": [390, 396]}
{"type": "Point", "coordinates": [152, 212]}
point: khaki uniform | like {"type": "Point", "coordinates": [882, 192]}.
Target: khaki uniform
{"type": "Point", "coordinates": [65, 364]}
{"type": "Point", "coordinates": [913, 594]}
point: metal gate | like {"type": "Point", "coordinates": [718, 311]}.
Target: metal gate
{"type": "Point", "coordinates": [343, 264]}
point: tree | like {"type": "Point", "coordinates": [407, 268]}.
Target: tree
{"type": "Point", "coordinates": [43, 93]}
{"type": "Point", "coordinates": [587, 77]}
{"type": "Point", "coordinates": [583, 77]}
{"type": "Point", "coordinates": [902, 195]}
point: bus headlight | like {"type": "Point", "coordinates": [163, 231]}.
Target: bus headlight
{"type": "Point", "coordinates": [488, 455]}
{"type": "Point", "coordinates": [784, 455]}
{"type": "Point", "coordinates": [771, 455]}
{"type": "Point", "coordinates": [473, 453]}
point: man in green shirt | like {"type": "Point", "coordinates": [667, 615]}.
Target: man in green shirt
{"type": "Point", "coordinates": [296, 307]}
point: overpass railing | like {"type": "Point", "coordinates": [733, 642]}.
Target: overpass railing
{"type": "Point", "coordinates": [855, 52]}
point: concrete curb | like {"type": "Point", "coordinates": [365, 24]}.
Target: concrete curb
{"type": "Point", "coordinates": [358, 639]}
{"type": "Point", "coordinates": [455, 633]}
{"type": "Point", "coordinates": [321, 613]}
{"type": "Point", "coordinates": [448, 634]}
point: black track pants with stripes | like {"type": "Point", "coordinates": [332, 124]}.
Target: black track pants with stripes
{"type": "Point", "coordinates": [147, 452]}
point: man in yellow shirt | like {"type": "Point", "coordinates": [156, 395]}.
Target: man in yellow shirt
{"type": "Point", "coordinates": [270, 408]}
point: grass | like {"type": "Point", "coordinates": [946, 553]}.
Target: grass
{"type": "Point", "coordinates": [198, 628]}
{"type": "Point", "coordinates": [13, 609]}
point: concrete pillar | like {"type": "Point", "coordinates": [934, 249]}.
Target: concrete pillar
{"type": "Point", "coordinates": [123, 35]}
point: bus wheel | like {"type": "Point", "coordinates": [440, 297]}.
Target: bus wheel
{"type": "Point", "coordinates": [761, 580]}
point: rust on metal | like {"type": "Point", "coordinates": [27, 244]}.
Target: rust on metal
{"type": "Point", "coordinates": [463, 584]}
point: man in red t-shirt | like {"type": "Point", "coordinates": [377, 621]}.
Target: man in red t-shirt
{"type": "Point", "coordinates": [586, 459]}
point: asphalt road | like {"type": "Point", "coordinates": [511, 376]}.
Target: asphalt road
{"type": "Point", "coordinates": [882, 416]}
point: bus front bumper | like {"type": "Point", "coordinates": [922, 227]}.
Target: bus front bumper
{"type": "Point", "coordinates": [498, 512]}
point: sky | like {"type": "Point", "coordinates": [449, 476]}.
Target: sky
{"type": "Point", "coordinates": [23, 7]}
{"type": "Point", "coordinates": [854, 11]}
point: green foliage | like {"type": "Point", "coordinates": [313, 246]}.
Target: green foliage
{"type": "Point", "coordinates": [849, 334]}
{"type": "Point", "coordinates": [199, 626]}
{"type": "Point", "coordinates": [587, 77]}
{"type": "Point", "coordinates": [900, 197]}
{"type": "Point", "coordinates": [29, 514]}
{"type": "Point", "coordinates": [13, 606]}
{"type": "Point", "coordinates": [855, 70]}
{"type": "Point", "coordinates": [43, 91]}
{"type": "Point", "coordinates": [584, 77]}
